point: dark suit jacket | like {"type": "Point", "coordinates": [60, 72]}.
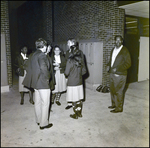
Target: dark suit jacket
{"type": "Point", "coordinates": [121, 63]}
{"type": "Point", "coordinates": [52, 82]}
{"type": "Point", "coordinates": [67, 55]}
{"type": "Point", "coordinates": [38, 74]}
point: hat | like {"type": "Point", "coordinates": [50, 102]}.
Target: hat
{"type": "Point", "coordinates": [40, 43]}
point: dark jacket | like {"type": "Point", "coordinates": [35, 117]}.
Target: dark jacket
{"type": "Point", "coordinates": [67, 54]}
{"type": "Point", "coordinates": [38, 73]}
{"type": "Point", "coordinates": [20, 63]}
{"type": "Point", "coordinates": [52, 82]}
{"type": "Point", "coordinates": [75, 69]}
{"type": "Point", "coordinates": [72, 48]}
{"type": "Point", "coordinates": [121, 63]}
{"type": "Point", "coordinates": [62, 64]}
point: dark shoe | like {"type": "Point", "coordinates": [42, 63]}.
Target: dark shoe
{"type": "Point", "coordinates": [31, 101]}
{"type": "Point", "coordinates": [111, 107]}
{"type": "Point", "coordinates": [116, 111]}
{"type": "Point", "coordinates": [22, 102]}
{"type": "Point", "coordinates": [68, 107]}
{"type": "Point", "coordinates": [48, 126]}
{"type": "Point", "coordinates": [74, 116]}
{"type": "Point", "coordinates": [58, 103]}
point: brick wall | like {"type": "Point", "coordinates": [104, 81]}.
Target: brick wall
{"type": "Point", "coordinates": [5, 30]}
{"type": "Point", "coordinates": [85, 20]}
{"type": "Point", "coordinates": [82, 20]}
{"type": "Point", "coordinates": [34, 21]}
{"type": "Point", "coordinates": [47, 5]}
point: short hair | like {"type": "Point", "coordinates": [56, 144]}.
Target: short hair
{"type": "Point", "coordinates": [40, 43]}
{"type": "Point", "coordinates": [56, 46]}
{"type": "Point", "coordinates": [119, 37]}
{"type": "Point", "coordinates": [61, 50]}
{"type": "Point", "coordinates": [22, 48]}
{"type": "Point", "coordinates": [73, 40]}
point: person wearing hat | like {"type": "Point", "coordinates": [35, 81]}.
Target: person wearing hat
{"type": "Point", "coordinates": [38, 77]}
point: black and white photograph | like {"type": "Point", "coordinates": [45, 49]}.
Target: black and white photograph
{"type": "Point", "coordinates": [75, 73]}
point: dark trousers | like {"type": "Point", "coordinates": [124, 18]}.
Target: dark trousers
{"type": "Point", "coordinates": [117, 85]}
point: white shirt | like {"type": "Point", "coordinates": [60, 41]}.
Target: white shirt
{"type": "Point", "coordinates": [24, 56]}
{"type": "Point", "coordinates": [57, 59]}
{"type": "Point", "coordinates": [114, 54]}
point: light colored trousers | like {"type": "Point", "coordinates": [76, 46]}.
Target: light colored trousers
{"type": "Point", "coordinates": [42, 103]}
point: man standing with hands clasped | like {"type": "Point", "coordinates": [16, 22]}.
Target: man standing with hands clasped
{"type": "Point", "coordinates": [120, 61]}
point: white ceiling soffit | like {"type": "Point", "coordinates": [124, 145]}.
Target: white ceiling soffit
{"type": "Point", "coordinates": [139, 9]}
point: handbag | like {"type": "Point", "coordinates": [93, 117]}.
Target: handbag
{"type": "Point", "coordinates": [20, 71]}
{"type": "Point", "coordinates": [105, 89]}
{"type": "Point", "coordinates": [99, 88]}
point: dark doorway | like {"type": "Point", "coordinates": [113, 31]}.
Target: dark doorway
{"type": "Point", "coordinates": [131, 41]}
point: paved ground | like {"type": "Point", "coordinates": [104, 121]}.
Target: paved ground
{"type": "Point", "coordinates": [97, 128]}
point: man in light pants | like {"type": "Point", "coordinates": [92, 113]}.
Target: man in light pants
{"type": "Point", "coordinates": [38, 77]}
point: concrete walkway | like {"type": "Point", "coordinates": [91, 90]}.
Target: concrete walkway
{"type": "Point", "coordinates": [97, 128]}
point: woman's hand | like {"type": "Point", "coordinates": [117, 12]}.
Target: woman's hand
{"type": "Point", "coordinates": [56, 64]}
{"type": "Point", "coordinates": [56, 68]}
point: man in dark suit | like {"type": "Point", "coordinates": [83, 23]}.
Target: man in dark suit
{"type": "Point", "coordinates": [38, 77]}
{"type": "Point", "coordinates": [120, 61]}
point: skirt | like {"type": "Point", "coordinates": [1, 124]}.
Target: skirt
{"type": "Point", "coordinates": [74, 93]}
{"type": "Point", "coordinates": [60, 80]}
{"type": "Point", "coordinates": [21, 87]}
